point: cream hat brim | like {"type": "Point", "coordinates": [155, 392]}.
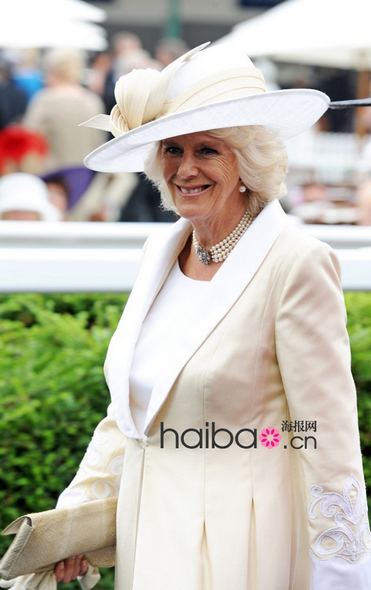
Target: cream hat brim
{"type": "Point", "coordinates": [287, 112]}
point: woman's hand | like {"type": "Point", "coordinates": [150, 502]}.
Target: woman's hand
{"type": "Point", "coordinates": [69, 569]}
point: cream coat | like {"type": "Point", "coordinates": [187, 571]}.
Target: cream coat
{"type": "Point", "coordinates": [266, 343]}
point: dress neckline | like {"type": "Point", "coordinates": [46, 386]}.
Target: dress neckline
{"type": "Point", "coordinates": [189, 279]}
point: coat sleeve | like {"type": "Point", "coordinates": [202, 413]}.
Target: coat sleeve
{"type": "Point", "coordinates": [100, 470]}
{"type": "Point", "coordinates": [314, 357]}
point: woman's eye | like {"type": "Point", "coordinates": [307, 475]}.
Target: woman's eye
{"type": "Point", "coordinates": [172, 150]}
{"type": "Point", "coordinates": [207, 151]}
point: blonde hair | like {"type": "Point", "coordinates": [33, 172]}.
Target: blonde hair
{"type": "Point", "coordinates": [262, 163]}
{"type": "Point", "coordinates": [65, 64]}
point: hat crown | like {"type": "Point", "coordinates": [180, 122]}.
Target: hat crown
{"type": "Point", "coordinates": [215, 61]}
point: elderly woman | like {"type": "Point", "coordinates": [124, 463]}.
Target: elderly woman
{"type": "Point", "coordinates": [233, 404]}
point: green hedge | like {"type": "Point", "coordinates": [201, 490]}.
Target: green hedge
{"type": "Point", "coordinates": [359, 329]}
{"type": "Point", "coordinates": [52, 394]}
{"type": "Point", "coordinates": [52, 391]}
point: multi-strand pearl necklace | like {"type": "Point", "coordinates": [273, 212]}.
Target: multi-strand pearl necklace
{"type": "Point", "coordinates": [221, 250]}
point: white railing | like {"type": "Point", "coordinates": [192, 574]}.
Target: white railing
{"type": "Point", "coordinates": [341, 236]}
{"type": "Point", "coordinates": [83, 257]}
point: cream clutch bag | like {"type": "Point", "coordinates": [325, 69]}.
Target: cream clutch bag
{"type": "Point", "coordinates": [44, 538]}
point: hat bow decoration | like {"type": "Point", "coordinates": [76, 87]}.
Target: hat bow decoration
{"type": "Point", "coordinates": [140, 97]}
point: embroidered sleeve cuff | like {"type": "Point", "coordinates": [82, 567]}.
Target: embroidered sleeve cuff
{"type": "Point", "coordinates": [341, 553]}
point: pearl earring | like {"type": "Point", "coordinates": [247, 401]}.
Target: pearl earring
{"type": "Point", "coordinates": [242, 188]}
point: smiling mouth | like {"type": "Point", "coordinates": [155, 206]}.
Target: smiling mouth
{"type": "Point", "coordinates": [193, 190]}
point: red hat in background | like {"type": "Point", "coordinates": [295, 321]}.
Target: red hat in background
{"type": "Point", "coordinates": [21, 150]}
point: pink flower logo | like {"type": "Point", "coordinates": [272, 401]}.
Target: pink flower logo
{"type": "Point", "coordinates": [270, 437]}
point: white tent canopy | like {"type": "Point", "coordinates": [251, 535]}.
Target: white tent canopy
{"type": "Point", "coordinates": [51, 23]}
{"type": "Point", "coordinates": [79, 10]}
{"type": "Point", "coordinates": [330, 33]}
{"type": "Point", "coordinates": [66, 9]}
{"type": "Point", "coordinates": [63, 34]}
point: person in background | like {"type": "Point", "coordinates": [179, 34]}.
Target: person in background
{"type": "Point", "coordinates": [13, 100]}
{"type": "Point", "coordinates": [27, 72]}
{"type": "Point", "coordinates": [21, 150]}
{"type": "Point", "coordinates": [124, 44]}
{"type": "Point", "coordinates": [99, 66]}
{"type": "Point", "coordinates": [58, 195]}
{"type": "Point", "coordinates": [57, 110]}
{"type": "Point", "coordinates": [169, 49]}
{"type": "Point", "coordinates": [139, 59]}
{"type": "Point", "coordinates": [24, 197]}
{"type": "Point", "coordinates": [67, 186]}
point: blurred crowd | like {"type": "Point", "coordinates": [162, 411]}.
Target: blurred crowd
{"type": "Point", "coordinates": [43, 99]}
{"type": "Point", "coordinates": [44, 96]}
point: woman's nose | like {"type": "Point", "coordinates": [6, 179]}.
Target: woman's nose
{"type": "Point", "coordinates": [187, 166]}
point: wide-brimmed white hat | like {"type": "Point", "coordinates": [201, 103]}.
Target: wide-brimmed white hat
{"type": "Point", "coordinates": [207, 88]}
{"type": "Point", "coordinates": [25, 192]}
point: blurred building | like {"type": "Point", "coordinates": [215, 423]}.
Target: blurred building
{"type": "Point", "coordinates": [200, 20]}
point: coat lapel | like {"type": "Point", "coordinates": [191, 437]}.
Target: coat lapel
{"type": "Point", "coordinates": [220, 295]}
{"type": "Point", "coordinates": [161, 251]}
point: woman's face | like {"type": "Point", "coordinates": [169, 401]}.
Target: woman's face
{"type": "Point", "coordinates": [202, 175]}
